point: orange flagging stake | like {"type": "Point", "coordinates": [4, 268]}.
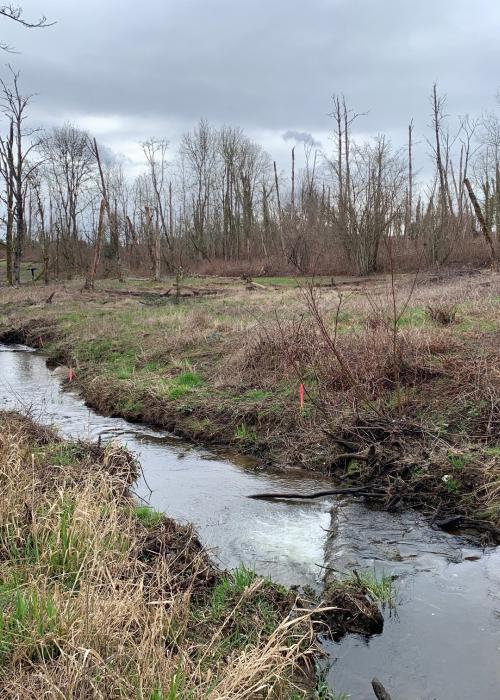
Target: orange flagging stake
{"type": "Point", "coordinates": [71, 375]}
{"type": "Point", "coordinates": [301, 394]}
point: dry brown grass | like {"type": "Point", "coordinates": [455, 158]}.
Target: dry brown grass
{"type": "Point", "coordinates": [96, 605]}
{"type": "Point", "coordinates": [287, 350]}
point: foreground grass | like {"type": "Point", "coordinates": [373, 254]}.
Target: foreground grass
{"type": "Point", "coordinates": [415, 400]}
{"type": "Point", "coordinates": [102, 599]}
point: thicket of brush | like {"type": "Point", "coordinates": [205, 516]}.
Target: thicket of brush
{"type": "Point", "coordinates": [101, 599]}
{"type": "Point", "coordinates": [398, 398]}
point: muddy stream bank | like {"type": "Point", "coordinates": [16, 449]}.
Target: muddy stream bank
{"type": "Point", "coordinates": [442, 641]}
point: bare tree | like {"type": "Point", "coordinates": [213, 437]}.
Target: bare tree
{"type": "Point", "coordinates": [112, 220]}
{"type": "Point", "coordinates": [14, 105]}
{"type": "Point", "coordinates": [15, 13]}
{"type": "Point", "coordinates": [70, 165]}
{"type": "Point", "coordinates": [198, 152]}
{"type": "Point", "coordinates": [36, 185]}
{"type": "Point", "coordinates": [90, 278]}
{"type": "Point", "coordinates": [6, 160]}
{"type": "Point", "coordinates": [409, 198]}
{"type": "Point", "coordinates": [155, 151]}
{"type": "Point", "coordinates": [368, 185]}
{"type": "Point", "coordinates": [484, 226]}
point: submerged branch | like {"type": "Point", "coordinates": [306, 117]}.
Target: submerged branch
{"type": "Point", "coordinates": [360, 490]}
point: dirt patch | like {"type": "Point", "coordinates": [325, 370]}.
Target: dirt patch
{"type": "Point", "coordinates": [178, 548]}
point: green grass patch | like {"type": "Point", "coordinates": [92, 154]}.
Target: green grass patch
{"type": "Point", "coordinates": [248, 606]}
{"type": "Point", "coordinates": [322, 690]}
{"type": "Point", "coordinates": [286, 281]}
{"type": "Point", "coordinates": [233, 584]}
{"type": "Point", "coordinates": [64, 454]}
{"type": "Point", "coordinates": [95, 350]}
{"type": "Point", "coordinates": [452, 485]}
{"type": "Point", "coordinates": [188, 379]}
{"type": "Point", "coordinates": [380, 587]}
{"type": "Point", "coordinates": [56, 547]}
{"type": "Point", "coordinates": [148, 516]}
{"type": "Point", "coordinates": [414, 317]}
{"type": "Point", "coordinates": [29, 620]}
{"type": "Point", "coordinates": [112, 359]}
{"type": "Point", "coordinates": [183, 384]}
{"type": "Point", "coordinates": [245, 434]}
{"type": "Point", "coordinates": [257, 395]}
{"type": "Point", "coordinates": [59, 454]}
{"type": "Point", "coordinates": [459, 461]}
{"type": "Point", "coordinates": [492, 451]}
{"type": "Point", "coordinates": [477, 324]}
{"type": "Point", "coordinates": [278, 281]}
{"type": "Point", "coordinates": [152, 366]}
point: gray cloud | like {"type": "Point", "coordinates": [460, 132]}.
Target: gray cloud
{"type": "Point", "coordinates": [137, 70]}
{"type": "Point", "coordinates": [301, 137]}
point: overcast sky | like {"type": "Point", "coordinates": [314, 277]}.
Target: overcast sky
{"type": "Point", "coordinates": [130, 70]}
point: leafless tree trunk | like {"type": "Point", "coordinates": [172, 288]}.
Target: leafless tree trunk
{"type": "Point", "coordinates": [112, 221]}
{"type": "Point", "coordinates": [157, 253]}
{"type": "Point", "coordinates": [90, 279]}
{"type": "Point", "coordinates": [14, 106]}
{"type": "Point", "coordinates": [483, 224]}
{"type": "Point", "coordinates": [37, 187]}
{"type": "Point", "coordinates": [409, 208]}
{"type": "Point", "coordinates": [6, 167]}
{"type": "Point", "coordinates": [437, 115]}
{"type": "Point", "coordinates": [280, 210]}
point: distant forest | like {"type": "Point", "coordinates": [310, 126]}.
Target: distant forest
{"type": "Point", "coordinates": [219, 204]}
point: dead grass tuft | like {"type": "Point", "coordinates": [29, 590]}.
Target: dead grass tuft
{"type": "Point", "coordinates": [443, 315]}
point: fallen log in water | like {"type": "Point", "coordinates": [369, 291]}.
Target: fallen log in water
{"type": "Point", "coordinates": [379, 690]}
{"type": "Point", "coordinates": [359, 490]}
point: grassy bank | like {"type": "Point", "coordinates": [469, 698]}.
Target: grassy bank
{"type": "Point", "coordinates": [104, 599]}
{"type": "Point", "coordinates": [401, 379]}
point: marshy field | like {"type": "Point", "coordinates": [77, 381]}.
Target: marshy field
{"type": "Point", "coordinates": [381, 394]}
{"type": "Point", "coordinates": [249, 351]}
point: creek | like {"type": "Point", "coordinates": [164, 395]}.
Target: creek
{"type": "Point", "coordinates": [441, 641]}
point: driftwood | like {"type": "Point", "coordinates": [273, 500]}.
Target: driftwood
{"type": "Point", "coordinates": [250, 284]}
{"type": "Point", "coordinates": [49, 299]}
{"type": "Point", "coordinates": [359, 490]}
{"type": "Point", "coordinates": [185, 292]}
{"type": "Point", "coordinates": [379, 690]}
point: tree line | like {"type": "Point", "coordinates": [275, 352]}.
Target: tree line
{"type": "Point", "coordinates": [220, 202]}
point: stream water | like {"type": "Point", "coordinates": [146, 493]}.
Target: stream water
{"type": "Point", "coordinates": [441, 642]}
